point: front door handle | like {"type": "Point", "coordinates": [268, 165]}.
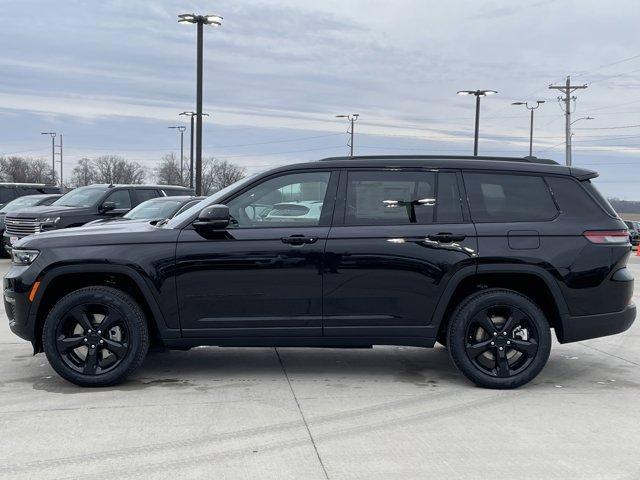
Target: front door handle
{"type": "Point", "coordinates": [446, 237]}
{"type": "Point", "coordinates": [298, 240]}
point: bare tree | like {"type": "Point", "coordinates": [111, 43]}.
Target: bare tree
{"type": "Point", "coordinates": [84, 173]}
{"type": "Point", "coordinates": [24, 170]}
{"type": "Point", "coordinates": [115, 169]}
{"type": "Point", "coordinates": [168, 172]}
{"type": "Point", "coordinates": [218, 174]}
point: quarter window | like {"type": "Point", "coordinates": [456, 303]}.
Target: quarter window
{"type": "Point", "coordinates": [496, 197]}
{"type": "Point", "coordinates": [288, 200]}
{"type": "Point", "coordinates": [390, 198]}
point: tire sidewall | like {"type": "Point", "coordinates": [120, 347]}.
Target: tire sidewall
{"type": "Point", "coordinates": [460, 322]}
{"type": "Point", "coordinates": [130, 312]}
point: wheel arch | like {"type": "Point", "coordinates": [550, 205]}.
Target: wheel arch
{"type": "Point", "coordinates": [62, 280]}
{"type": "Point", "coordinates": [529, 280]}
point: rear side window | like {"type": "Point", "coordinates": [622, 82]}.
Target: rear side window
{"type": "Point", "coordinates": [144, 194]}
{"type": "Point", "coordinates": [390, 198]}
{"type": "Point", "coordinates": [121, 198]}
{"type": "Point", "coordinates": [572, 198]}
{"type": "Point", "coordinates": [176, 193]}
{"type": "Point", "coordinates": [499, 197]}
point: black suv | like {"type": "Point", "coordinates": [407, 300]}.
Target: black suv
{"type": "Point", "coordinates": [484, 255]}
{"type": "Point", "coordinates": [11, 191]}
{"type": "Point", "coordinates": [80, 206]}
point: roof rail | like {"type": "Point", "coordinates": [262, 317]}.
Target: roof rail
{"type": "Point", "coordinates": [445, 157]}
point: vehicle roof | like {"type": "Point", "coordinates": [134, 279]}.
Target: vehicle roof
{"type": "Point", "coordinates": [519, 164]}
{"type": "Point", "coordinates": [137, 185]}
{"type": "Point", "coordinates": [18, 184]}
{"type": "Point", "coordinates": [40, 195]}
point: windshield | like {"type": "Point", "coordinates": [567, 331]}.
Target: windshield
{"type": "Point", "coordinates": [81, 197]}
{"type": "Point", "coordinates": [18, 203]}
{"type": "Point", "coordinates": [210, 200]}
{"type": "Point", "coordinates": [153, 209]}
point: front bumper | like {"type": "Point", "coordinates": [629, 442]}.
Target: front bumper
{"type": "Point", "coordinates": [16, 285]}
{"type": "Point", "coordinates": [583, 327]}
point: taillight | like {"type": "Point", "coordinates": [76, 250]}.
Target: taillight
{"type": "Point", "coordinates": [607, 236]}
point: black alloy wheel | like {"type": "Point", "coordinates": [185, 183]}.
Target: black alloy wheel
{"type": "Point", "coordinates": [95, 336]}
{"type": "Point", "coordinates": [499, 338]}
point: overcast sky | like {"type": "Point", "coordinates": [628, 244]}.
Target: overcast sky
{"type": "Point", "coordinates": [113, 75]}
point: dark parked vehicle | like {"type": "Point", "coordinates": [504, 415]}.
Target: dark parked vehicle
{"type": "Point", "coordinates": [23, 202]}
{"type": "Point", "coordinates": [154, 210]}
{"type": "Point", "coordinates": [484, 255]}
{"type": "Point", "coordinates": [634, 232]}
{"type": "Point", "coordinates": [80, 206]}
{"type": "Point", "coordinates": [11, 191]}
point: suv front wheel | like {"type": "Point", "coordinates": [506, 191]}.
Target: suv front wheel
{"type": "Point", "coordinates": [499, 338]}
{"type": "Point", "coordinates": [95, 336]}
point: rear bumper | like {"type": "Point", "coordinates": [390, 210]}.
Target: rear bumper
{"type": "Point", "coordinates": [576, 328]}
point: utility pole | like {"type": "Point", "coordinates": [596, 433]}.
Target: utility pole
{"type": "Point", "coordinates": [353, 118]}
{"type": "Point", "coordinates": [526, 104]}
{"type": "Point", "coordinates": [567, 89]}
{"type": "Point", "coordinates": [192, 115]}
{"type": "Point", "coordinates": [61, 168]}
{"type": "Point", "coordinates": [181, 129]}
{"type": "Point", "coordinates": [53, 155]}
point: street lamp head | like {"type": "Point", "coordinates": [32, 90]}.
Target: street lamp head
{"type": "Point", "coordinates": [540, 101]}
{"type": "Point", "coordinates": [466, 92]}
{"type": "Point", "coordinates": [342, 116]}
{"type": "Point", "coordinates": [53, 134]}
{"type": "Point", "coordinates": [518, 103]}
{"type": "Point", "coordinates": [188, 114]}
{"type": "Point", "coordinates": [203, 19]}
{"type": "Point", "coordinates": [477, 93]}
{"type": "Point", "coordinates": [487, 92]}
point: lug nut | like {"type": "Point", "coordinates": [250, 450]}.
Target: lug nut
{"type": "Point", "coordinates": [102, 341]}
{"type": "Point", "coordinates": [504, 333]}
{"type": "Point", "coordinates": [89, 330]}
{"type": "Point", "coordinates": [495, 333]}
{"type": "Point", "coordinates": [99, 331]}
{"type": "Point", "coordinates": [501, 348]}
{"type": "Point", "coordinates": [93, 346]}
{"type": "Point", "coordinates": [508, 342]}
{"type": "Point", "coordinates": [493, 343]}
{"type": "Point", "coordinates": [85, 339]}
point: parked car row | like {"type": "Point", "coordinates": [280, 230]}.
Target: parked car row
{"type": "Point", "coordinates": [634, 232]}
{"type": "Point", "coordinates": [93, 204]}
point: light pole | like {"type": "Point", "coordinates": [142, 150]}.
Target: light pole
{"type": "Point", "coordinates": [53, 155]}
{"type": "Point", "coordinates": [192, 115]}
{"type": "Point", "coordinates": [570, 139]}
{"type": "Point", "coordinates": [526, 104]}
{"type": "Point", "coordinates": [200, 21]}
{"type": "Point", "coordinates": [478, 94]}
{"type": "Point", "coordinates": [353, 118]}
{"type": "Point", "coordinates": [181, 129]}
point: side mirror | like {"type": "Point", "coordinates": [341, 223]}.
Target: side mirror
{"type": "Point", "coordinates": [107, 207]}
{"type": "Point", "coordinates": [213, 217]}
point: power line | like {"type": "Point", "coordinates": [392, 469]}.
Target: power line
{"type": "Point", "coordinates": [609, 128]}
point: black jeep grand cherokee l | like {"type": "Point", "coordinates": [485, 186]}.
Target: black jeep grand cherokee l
{"type": "Point", "coordinates": [484, 255]}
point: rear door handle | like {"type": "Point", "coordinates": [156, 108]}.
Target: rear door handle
{"type": "Point", "coordinates": [446, 237]}
{"type": "Point", "coordinates": [298, 240]}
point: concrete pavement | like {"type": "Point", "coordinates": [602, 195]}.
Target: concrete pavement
{"type": "Point", "coordinates": [382, 413]}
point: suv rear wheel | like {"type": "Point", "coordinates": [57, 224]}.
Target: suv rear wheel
{"type": "Point", "coordinates": [95, 336]}
{"type": "Point", "coordinates": [499, 338]}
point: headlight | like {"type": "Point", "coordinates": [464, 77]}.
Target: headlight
{"type": "Point", "coordinates": [23, 257]}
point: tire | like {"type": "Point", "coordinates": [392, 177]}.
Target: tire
{"type": "Point", "coordinates": [499, 339]}
{"type": "Point", "coordinates": [95, 336]}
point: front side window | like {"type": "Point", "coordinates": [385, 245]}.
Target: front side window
{"type": "Point", "coordinates": [390, 198]}
{"type": "Point", "coordinates": [121, 198]}
{"type": "Point", "coordinates": [498, 197]}
{"type": "Point", "coordinates": [288, 200]}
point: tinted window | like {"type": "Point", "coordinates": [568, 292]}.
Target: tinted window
{"type": "Point", "coordinates": [572, 198]}
{"type": "Point", "coordinates": [176, 193]}
{"type": "Point", "coordinates": [495, 197]}
{"type": "Point", "coordinates": [146, 194]}
{"type": "Point", "coordinates": [288, 200]}
{"type": "Point", "coordinates": [81, 197]}
{"type": "Point", "coordinates": [7, 194]}
{"type": "Point", "coordinates": [390, 198]}
{"type": "Point", "coordinates": [448, 202]}
{"type": "Point", "coordinates": [604, 203]}
{"type": "Point", "coordinates": [121, 198]}
{"type": "Point", "coordinates": [153, 209]}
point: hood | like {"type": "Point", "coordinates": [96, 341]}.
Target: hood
{"type": "Point", "coordinates": [111, 233]}
{"type": "Point", "coordinates": [47, 211]}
